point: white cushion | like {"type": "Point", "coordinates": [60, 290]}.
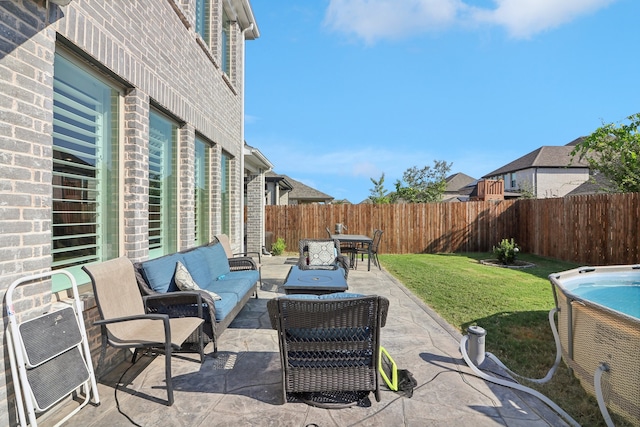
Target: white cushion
{"type": "Point", "coordinates": [321, 253]}
{"type": "Point", "coordinates": [185, 282]}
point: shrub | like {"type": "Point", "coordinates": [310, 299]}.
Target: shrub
{"type": "Point", "coordinates": [278, 247]}
{"type": "Point", "coordinates": [506, 251]}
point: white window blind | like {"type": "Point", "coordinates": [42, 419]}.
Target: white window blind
{"type": "Point", "coordinates": [84, 180]}
{"type": "Point", "coordinates": [202, 208]}
{"type": "Point", "coordinates": [162, 186]}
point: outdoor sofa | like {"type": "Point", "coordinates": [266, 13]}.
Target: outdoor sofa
{"type": "Point", "coordinates": [225, 285]}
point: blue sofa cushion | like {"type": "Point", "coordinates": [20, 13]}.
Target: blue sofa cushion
{"type": "Point", "coordinates": [250, 275]}
{"type": "Point", "coordinates": [216, 260]}
{"type": "Point", "coordinates": [196, 262]}
{"type": "Point", "coordinates": [160, 272]}
{"type": "Point", "coordinates": [225, 305]}
{"type": "Point", "coordinates": [238, 287]}
{"type": "Point", "coordinates": [334, 295]}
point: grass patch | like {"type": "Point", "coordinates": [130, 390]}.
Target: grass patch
{"type": "Point", "coordinates": [512, 305]}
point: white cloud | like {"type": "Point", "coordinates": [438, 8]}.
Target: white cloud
{"type": "Point", "coordinates": [249, 119]}
{"type": "Point", "coordinates": [361, 162]}
{"type": "Point", "coordinates": [525, 18]}
{"type": "Point", "coordinates": [373, 20]}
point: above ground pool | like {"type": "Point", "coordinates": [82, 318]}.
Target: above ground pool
{"type": "Point", "coordinates": [599, 323]}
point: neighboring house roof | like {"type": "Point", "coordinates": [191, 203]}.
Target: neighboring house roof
{"type": "Point", "coordinates": [596, 184]}
{"type": "Point", "coordinates": [254, 160]}
{"type": "Point", "coordinates": [304, 193]}
{"type": "Point", "coordinates": [576, 141]}
{"type": "Point", "coordinates": [457, 182]}
{"type": "Point", "coordinates": [281, 180]}
{"type": "Point", "coordinates": [298, 191]}
{"type": "Point", "coordinates": [543, 157]}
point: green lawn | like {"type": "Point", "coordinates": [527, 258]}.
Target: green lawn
{"type": "Point", "coordinates": [511, 305]}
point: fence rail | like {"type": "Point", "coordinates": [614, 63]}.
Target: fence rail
{"type": "Point", "coordinates": [594, 229]}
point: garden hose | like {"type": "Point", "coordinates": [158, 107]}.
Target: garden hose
{"type": "Point", "coordinates": [517, 386]}
{"type": "Point", "coordinates": [552, 371]}
{"type": "Point", "coordinates": [597, 382]}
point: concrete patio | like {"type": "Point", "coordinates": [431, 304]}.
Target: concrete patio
{"type": "Point", "coordinates": [242, 386]}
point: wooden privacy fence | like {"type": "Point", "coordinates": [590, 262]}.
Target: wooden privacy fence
{"type": "Point", "coordinates": [594, 229]}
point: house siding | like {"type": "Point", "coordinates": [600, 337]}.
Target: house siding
{"type": "Point", "coordinates": [546, 182]}
{"type": "Point", "coordinates": [555, 182]}
{"type": "Point", "coordinates": [151, 51]}
{"type": "Point", "coordinates": [255, 212]}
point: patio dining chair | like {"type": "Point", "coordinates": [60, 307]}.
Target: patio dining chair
{"type": "Point", "coordinates": [329, 346]}
{"type": "Point", "coordinates": [346, 248]}
{"type": "Point", "coordinates": [124, 317]}
{"type": "Point", "coordinates": [372, 251]}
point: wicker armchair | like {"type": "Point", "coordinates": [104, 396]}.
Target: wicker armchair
{"type": "Point", "coordinates": [322, 254]}
{"type": "Point", "coordinates": [329, 345]}
{"type": "Point", "coordinates": [239, 261]}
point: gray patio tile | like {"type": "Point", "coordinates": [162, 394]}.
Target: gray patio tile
{"type": "Point", "coordinates": [242, 386]}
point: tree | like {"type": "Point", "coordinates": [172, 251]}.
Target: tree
{"type": "Point", "coordinates": [378, 194]}
{"type": "Point", "coordinates": [614, 150]}
{"type": "Point", "coordinates": [422, 185]}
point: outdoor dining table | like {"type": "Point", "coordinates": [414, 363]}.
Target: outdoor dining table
{"type": "Point", "coordinates": [358, 239]}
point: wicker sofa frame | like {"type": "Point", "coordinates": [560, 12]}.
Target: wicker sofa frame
{"type": "Point", "coordinates": [177, 308]}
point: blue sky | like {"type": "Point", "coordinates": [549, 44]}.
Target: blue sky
{"type": "Point", "coordinates": [341, 91]}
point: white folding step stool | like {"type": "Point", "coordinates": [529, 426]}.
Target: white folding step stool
{"type": "Point", "coordinates": [49, 355]}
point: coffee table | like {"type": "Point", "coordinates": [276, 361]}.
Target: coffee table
{"type": "Point", "coordinates": [314, 281]}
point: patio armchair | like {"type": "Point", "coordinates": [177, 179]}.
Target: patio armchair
{"type": "Point", "coordinates": [329, 346]}
{"type": "Point", "coordinates": [125, 320]}
{"type": "Point", "coordinates": [241, 260]}
{"type": "Point", "coordinates": [322, 254]}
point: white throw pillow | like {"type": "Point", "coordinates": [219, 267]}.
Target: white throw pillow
{"type": "Point", "coordinates": [321, 253]}
{"type": "Point", "coordinates": [185, 282]}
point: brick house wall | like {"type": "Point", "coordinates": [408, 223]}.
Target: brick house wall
{"type": "Point", "coordinates": [151, 50]}
{"type": "Point", "coordinates": [255, 212]}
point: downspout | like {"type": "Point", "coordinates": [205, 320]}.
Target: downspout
{"type": "Point", "coordinates": [242, 230]}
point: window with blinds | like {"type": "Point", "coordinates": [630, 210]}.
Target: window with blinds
{"type": "Point", "coordinates": [85, 169]}
{"type": "Point", "coordinates": [225, 57]}
{"type": "Point", "coordinates": [162, 185]}
{"type": "Point", "coordinates": [202, 19]}
{"type": "Point", "coordinates": [225, 191]}
{"type": "Point", "coordinates": [202, 207]}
